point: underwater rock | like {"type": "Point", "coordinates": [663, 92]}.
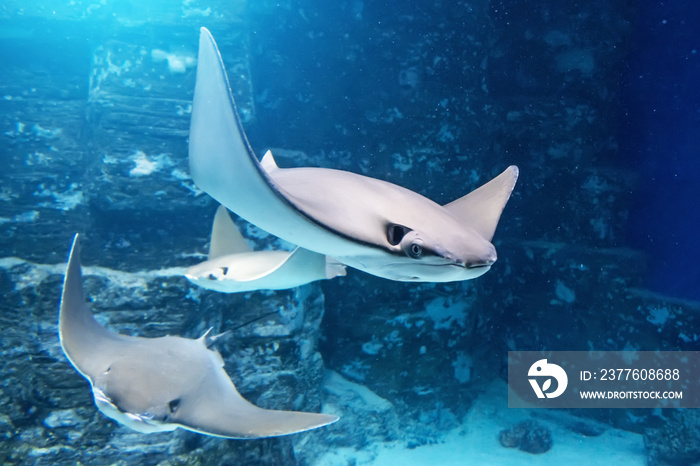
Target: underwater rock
{"type": "Point", "coordinates": [362, 408]}
{"type": "Point", "coordinates": [63, 418]}
{"type": "Point", "coordinates": [676, 442]}
{"type": "Point", "coordinates": [529, 436]}
{"type": "Point", "coordinates": [136, 177]}
{"type": "Point", "coordinates": [409, 344]}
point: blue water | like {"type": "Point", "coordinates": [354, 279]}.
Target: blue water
{"type": "Point", "coordinates": [661, 141]}
{"type": "Point", "coordinates": [466, 88]}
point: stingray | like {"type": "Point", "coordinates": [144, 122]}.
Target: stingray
{"type": "Point", "coordinates": [232, 267]}
{"type": "Point", "coordinates": [160, 384]}
{"type": "Point", "coordinates": [365, 223]}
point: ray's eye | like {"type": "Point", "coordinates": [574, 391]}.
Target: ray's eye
{"type": "Point", "coordinates": [412, 245]}
{"type": "Point", "coordinates": [173, 405]}
{"type": "Point", "coordinates": [395, 233]}
{"type": "Point", "coordinates": [415, 250]}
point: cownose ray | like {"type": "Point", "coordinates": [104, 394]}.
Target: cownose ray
{"type": "Point", "coordinates": [232, 267]}
{"type": "Point", "coordinates": [160, 384]}
{"type": "Point", "coordinates": [365, 223]}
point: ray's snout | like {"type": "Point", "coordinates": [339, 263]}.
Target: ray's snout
{"type": "Point", "coordinates": [491, 257]}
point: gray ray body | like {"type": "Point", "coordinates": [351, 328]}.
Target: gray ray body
{"type": "Point", "coordinates": [365, 223]}
{"type": "Point", "coordinates": [232, 267]}
{"type": "Point", "coordinates": [160, 384]}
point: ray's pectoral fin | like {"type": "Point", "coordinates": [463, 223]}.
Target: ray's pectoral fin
{"type": "Point", "coordinates": [482, 208]}
{"type": "Point", "coordinates": [222, 163]}
{"type": "Point", "coordinates": [82, 338]}
{"type": "Point", "coordinates": [230, 415]}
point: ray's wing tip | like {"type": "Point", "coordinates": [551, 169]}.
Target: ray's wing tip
{"type": "Point", "coordinates": [74, 254]}
{"type": "Point", "coordinates": [332, 419]}
{"type": "Point", "coordinates": [76, 241]}
{"type": "Point", "coordinates": [321, 420]}
{"type": "Point", "coordinates": [204, 35]}
{"type": "Point", "coordinates": [514, 172]}
{"type": "Point", "coordinates": [312, 420]}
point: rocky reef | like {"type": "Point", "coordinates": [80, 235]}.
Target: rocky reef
{"type": "Point", "coordinates": [529, 436]}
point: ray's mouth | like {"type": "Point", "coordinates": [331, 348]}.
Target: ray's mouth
{"type": "Point", "coordinates": [477, 266]}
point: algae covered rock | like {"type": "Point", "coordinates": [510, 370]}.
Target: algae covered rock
{"type": "Point", "coordinates": [529, 436]}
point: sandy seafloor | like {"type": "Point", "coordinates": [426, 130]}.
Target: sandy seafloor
{"type": "Point", "coordinates": [475, 441]}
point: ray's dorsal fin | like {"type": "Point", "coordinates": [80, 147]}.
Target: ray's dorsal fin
{"type": "Point", "coordinates": [482, 207]}
{"type": "Point", "coordinates": [225, 237]}
{"type": "Point", "coordinates": [268, 162]}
